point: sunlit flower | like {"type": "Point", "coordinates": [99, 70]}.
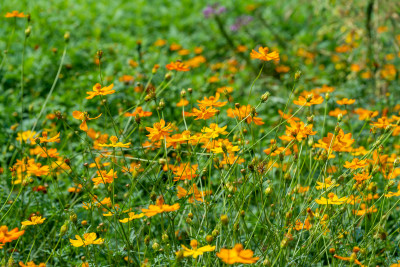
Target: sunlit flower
{"type": "Point", "coordinates": [15, 14]}
{"type": "Point", "coordinates": [8, 236]}
{"type": "Point", "coordinates": [98, 90]}
{"type": "Point", "coordinates": [212, 101]}
{"type": "Point", "coordinates": [114, 143]}
{"type": "Point", "coordinates": [140, 112]}
{"type": "Point", "coordinates": [309, 100]}
{"type": "Point", "coordinates": [25, 136]}
{"type": "Point", "coordinates": [331, 200]}
{"type": "Point", "coordinates": [178, 66]}
{"type": "Point", "coordinates": [34, 220]}
{"type": "Point", "coordinates": [346, 101]}
{"type": "Point", "coordinates": [326, 184]}
{"type": "Point", "coordinates": [245, 112]}
{"type": "Point", "coordinates": [195, 251]}
{"type": "Point", "coordinates": [88, 239]}
{"type": "Point", "coordinates": [204, 113]}
{"type": "Point", "coordinates": [31, 264]}
{"type": "Point", "coordinates": [194, 193]}
{"type": "Point", "coordinates": [104, 177]}
{"type": "Point", "coordinates": [132, 216]}
{"type": "Point", "coordinates": [159, 131]}
{"type": "Point", "coordinates": [160, 207]}
{"type": "Point", "coordinates": [364, 210]}
{"type": "Point", "coordinates": [237, 255]}
{"type": "Point", "coordinates": [264, 55]}
{"type": "Point", "coordinates": [83, 116]}
{"type": "Point", "coordinates": [214, 131]}
{"type": "Point", "coordinates": [185, 171]}
{"type": "Point", "coordinates": [356, 164]}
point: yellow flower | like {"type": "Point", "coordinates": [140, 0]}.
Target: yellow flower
{"type": "Point", "coordinates": [34, 220]}
{"type": "Point", "coordinates": [98, 90]}
{"type": "Point", "coordinates": [331, 200]}
{"type": "Point", "coordinates": [132, 216]}
{"type": "Point", "coordinates": [88, 239]}
{"type": "Point", "coordinates": [114, 143]}
{"type": "Point", "coordinates": [195, 252]}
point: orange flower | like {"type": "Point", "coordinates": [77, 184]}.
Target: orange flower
{"type": "Point", "coordinates": [114, 143]}
{"type": "Point", "coordinates": [160, 207]}
{"type": "Point", "coordinates": [263, 54]}
{"type": "Point", "coordinates": [140, 112]}
{"type": "Point", "coordinates": [15, 14]}
{"type": "Point", "coordinates": [245, 112]}
{"type": "Point", "coordinates": [237, 255]}
{"type": "Point", "coordinates": [159, 131]}
{"type": "Point", "coordinates": [193, 194]}
{"type": "Point", "coordinates": [346, 101]}
{"type": "Point", "coordinates": [83, 116]}
{"type": "Point", "coordinates": [160, 42]}
{"type": "Point", "coordinates": [364, 210]}
{"type": "Point", "coordinates": [182, 103]}
{"type": "Point", "coordinates": [104, 177]}
{"type": "Point", "coordinates": [310, 100]}
{"type": "Point", "coordinates": [98, 90]}
{"type": "Point", "coordinates": [203, 113]}
{"type": "Point", "coordinates": [297, 131]}
{"type": "Point", "coordinates": [300, 226]}
{"type": "Point", "coordinates": [356, 164]}
{"type": "Point", "coordinates": [185, 171]}
{"type": "Point", "coordinates": [8, 236]}
{"type": "Point", "coordinates": [340, 143]}
{"type": "Point", "coordinates": [353, 258]}
{"type": "Point", "coordinates": [178, 66]}
{"type": "Point", "coordinates": [46, 139]}
{"type": "Point", "coordinates": [37, 169]}
{"type": "Point", "coordinates": [212, 101]}
{"type": "Point", "coordinates": [31, 264]}
{"type": "Point", "coordinates": [336, 112]}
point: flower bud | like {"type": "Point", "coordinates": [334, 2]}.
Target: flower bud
{"type": "Point", "coordinates": [265, 97]}
{"type": "Point", "coordinates": [224, 219]}
{"type": "Point", "coordinates": [28, 31]}
{"type": "Point", "coordinates": [66, 37]}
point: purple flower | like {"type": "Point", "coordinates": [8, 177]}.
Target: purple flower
{"type": "Point", "coordinates": [214, 9]}
{"type": "Point", "coordinates": [240, 22]}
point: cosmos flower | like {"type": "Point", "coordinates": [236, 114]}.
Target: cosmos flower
{"type": "Point", "coordinates": [237, 255]}
{"type": "Point", "coordinates": [160, 207]}
{"type": "Point", "coordinates": [264, 55]}
{"type": "Point", "coordinates": [34, 220]}
{"type": "Point", "coordinates": [195, 251]}
{"type": "Point", "coordinates": [88, 239]}
{"type": "Point", "coordinates": [98, 90]}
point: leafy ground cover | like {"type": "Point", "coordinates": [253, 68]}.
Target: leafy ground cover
{"type": "Point", "coordinates": [184, 133]}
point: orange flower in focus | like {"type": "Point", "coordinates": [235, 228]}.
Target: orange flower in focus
{"type": "Point", "coordinates": [310, 100]}
{"type": "Point", "coordinates": [159, 131]}
{"type": "Point", "coordinates": [83, 116]}
{"type": "Point", "coordinates": [160, 207]}
{"type": "Point", "coordinates": [297, 131]}
{"type": "Point", "coordinates": [365, 114]}
{"type": "Point", "coordinates": [212, 101]}
{"type": "Point", "coordinates": [237, 255]}
{"type": "Point", "coordinates": [178, 66]}
{"type": "Point", "coordinates": [15, 14]}
{"type": "Point", "coordinates": [98, 90]}
{"type": "Point", "coordinates": [263, 54]}
{"type": "Point", "coordinates": [203, 113]}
